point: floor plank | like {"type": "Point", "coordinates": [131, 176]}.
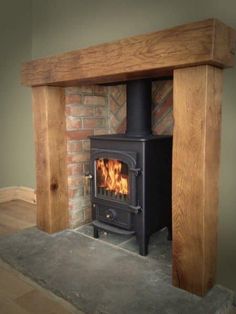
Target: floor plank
{"type": "Point", "coordinates": [38, 302]}
{"type": "Point", "coordinates": [9, 307]}
{"type": "Point", "coordinates": [19, 294]}
{"type": "Point", "coordinates": [16, 215]}
{"type": "Point", "coordinates": [12, 287]}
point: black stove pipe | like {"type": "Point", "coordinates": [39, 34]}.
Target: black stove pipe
{"type": "Point", "coordinates": [139, 108]}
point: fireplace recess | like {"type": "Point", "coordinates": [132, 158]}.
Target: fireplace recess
{"type": "Point", "coordinates": [197, 68]}
{"type": "Point", "coordinates": [131, 174]}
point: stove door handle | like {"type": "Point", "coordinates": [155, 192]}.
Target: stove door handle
{"type": "Point", "coordinates": [135, 209]}
{"type": "Point", "coordinates": [87, 183]}
{"type": "Point", "coordinates": [136, 171]}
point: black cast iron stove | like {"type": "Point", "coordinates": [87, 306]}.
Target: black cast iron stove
{"type": "Point", "coordinates": [131, 174]}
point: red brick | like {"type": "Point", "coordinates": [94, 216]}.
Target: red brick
{"type": "Point", "coordinates": [165, 126]}
{"type": "Point", "coordinates": [122, 127]}
{"type": "Point", "coordinates": [121, 114]}
{"type": "Point", "coordinates": [100, 90]}
{"type": "Point", "coordinates": [79, 135]}
{"type": "Point", "coordinates": [86, 146]}
{"type": "Point", "coordinates": [113, 105]}
{"type": "Point", "coordinates": [114, 122]}
{"type": "Point", "coordinates": [92, 123]}
{"type": "Point", "coordinates": [80, 157]}
{"type": "Point", "coordinates": [122, 96]}
{"type": "Point", "coordinates": [100, 111]}
{"type": "Point", "coordinates": [72, 193]}
{"type": "Point", "coordinates": [73, 123]}
{"type": "Point", "coordinates": [74, 181]}
{"type": "Point", "coordinates": [101, 131]}
{"type": "Point", "coordinates": [86, 89]}
{"type": "Point", "coordinates": [160, 110]}
{"type": "Point", "coordinates": [73, 99]}
{"type": "Point", "coordinates": [86, 166]}
{"type": "Point", "coordinates": [76, 219]}
{"type": "Point", "coordinates": [75, 210]}
{"type": "Point", "coordinates": [79, 110]}
{"type": "Point", "coordinates": [71, 207]}
{"type": "Point", "coordinates": [161, 90]}
{"type": "Point", "coordinates": [94, 100]}
{"type": "Point", "coordinates": [87, 214]}
{"type": "Point", "coordinates": [75, 169]}
{"type": "Point", "coordinates": [74, 146]}
{"type": "Point", "coordinates": [114, 91]}
{"type": "Point", "coordinates": [75, 194]}
{"type": "Point", "coordinates": [72, 90]}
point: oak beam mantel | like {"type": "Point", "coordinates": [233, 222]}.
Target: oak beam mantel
{"type": "Point", "coordinates": [149, 55]}
{"type": "Point", "coordinates": [195, 54]}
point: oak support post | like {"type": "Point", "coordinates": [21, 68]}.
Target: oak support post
{"type": "Point", "coordinates": [50, 145]}
{"type": "Point", "coordinates": [196, 149]}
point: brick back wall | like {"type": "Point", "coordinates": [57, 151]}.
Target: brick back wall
{"type": "Point", "coordinates": [162, 107]}
{"type": "Point", "coordinates": [162, 101]}
{"type": "Point", "coordinates": [86, 114]}
{"type": "Point", "coordinates": [93, 110]}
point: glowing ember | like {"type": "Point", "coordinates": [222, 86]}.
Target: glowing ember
{"type": "Point", "coordinates": [111, 177]}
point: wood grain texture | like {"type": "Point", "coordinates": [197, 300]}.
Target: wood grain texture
{"type": "Point", "coordinates": [51, 173]}
{"type": "Point", "coordinates": [153, 54]}
{"type": "Point", "coordinates": [21, 295]}
{"type": "Point", "coordinates": [16, 215]}
{"type": "Point", "coordinates": [196, 149]}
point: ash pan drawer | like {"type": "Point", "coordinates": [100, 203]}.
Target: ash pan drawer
{"type": "Point", "coordinates": [113, 216]}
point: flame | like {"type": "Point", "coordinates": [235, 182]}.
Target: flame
{"type": "Point", "coordinates": [111, 177]}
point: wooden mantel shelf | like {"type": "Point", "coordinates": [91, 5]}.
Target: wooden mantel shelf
{"type": "Point", "coordinates": [195, 54]}
{"type": "Point", "coordinates": [155, 54]}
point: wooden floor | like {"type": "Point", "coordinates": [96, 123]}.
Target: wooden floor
{"type": "Point", "coordinates": [19, 294]}
{"type": "Point", "coordinates": [15, 216]}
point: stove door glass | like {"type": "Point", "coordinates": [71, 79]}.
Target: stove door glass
{"type": "Point", "coordinates": [112, 180]}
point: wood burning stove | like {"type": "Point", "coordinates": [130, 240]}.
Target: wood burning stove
{"type": "Point", "coordinates": [131, 174]}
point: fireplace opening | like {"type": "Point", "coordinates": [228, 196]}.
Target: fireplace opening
{"type": "Point", "coordinates": [131, 174]}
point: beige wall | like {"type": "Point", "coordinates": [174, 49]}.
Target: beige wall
{"type": "Point", "coordinates": [16, 153]}
{"type": "Point", "coordinates": [60, 25]}
{"type": "Point", "coordinates": [227, 214]}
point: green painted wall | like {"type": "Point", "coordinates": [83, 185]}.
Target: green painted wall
{"type": "Point", "coordinates": [16, 154]}
{"type": "Point", "coordinates": [59, 25]}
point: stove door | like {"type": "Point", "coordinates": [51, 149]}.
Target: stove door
{"type": "Point", "coordinates": [114, 186]}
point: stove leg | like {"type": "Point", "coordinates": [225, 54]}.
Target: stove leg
{"type": "Point", "coordinates": [143, 245]}
{"type": "Point", "coordinates": [169, 236]}
{"type": "Point", "coordinates": [95, 233]}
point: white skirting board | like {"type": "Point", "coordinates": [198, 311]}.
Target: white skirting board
{"type": "Point", "coordinates": [17, 193]}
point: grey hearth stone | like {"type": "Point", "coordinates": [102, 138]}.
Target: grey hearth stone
{"type": "Point", "coordinates": [95, 276]}
{"type": "Point", "coordinates": [219, 300]}
{"type": "Point", "coordinates": [159, 247]}
{"type": "Point", "coordinates": [115, 239]}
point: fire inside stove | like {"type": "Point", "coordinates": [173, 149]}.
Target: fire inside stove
{"type": "Point", "coordinates": [112, 179]}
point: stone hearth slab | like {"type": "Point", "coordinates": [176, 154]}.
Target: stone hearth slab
{"type": "Point", "coordinates": [97, 277]}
